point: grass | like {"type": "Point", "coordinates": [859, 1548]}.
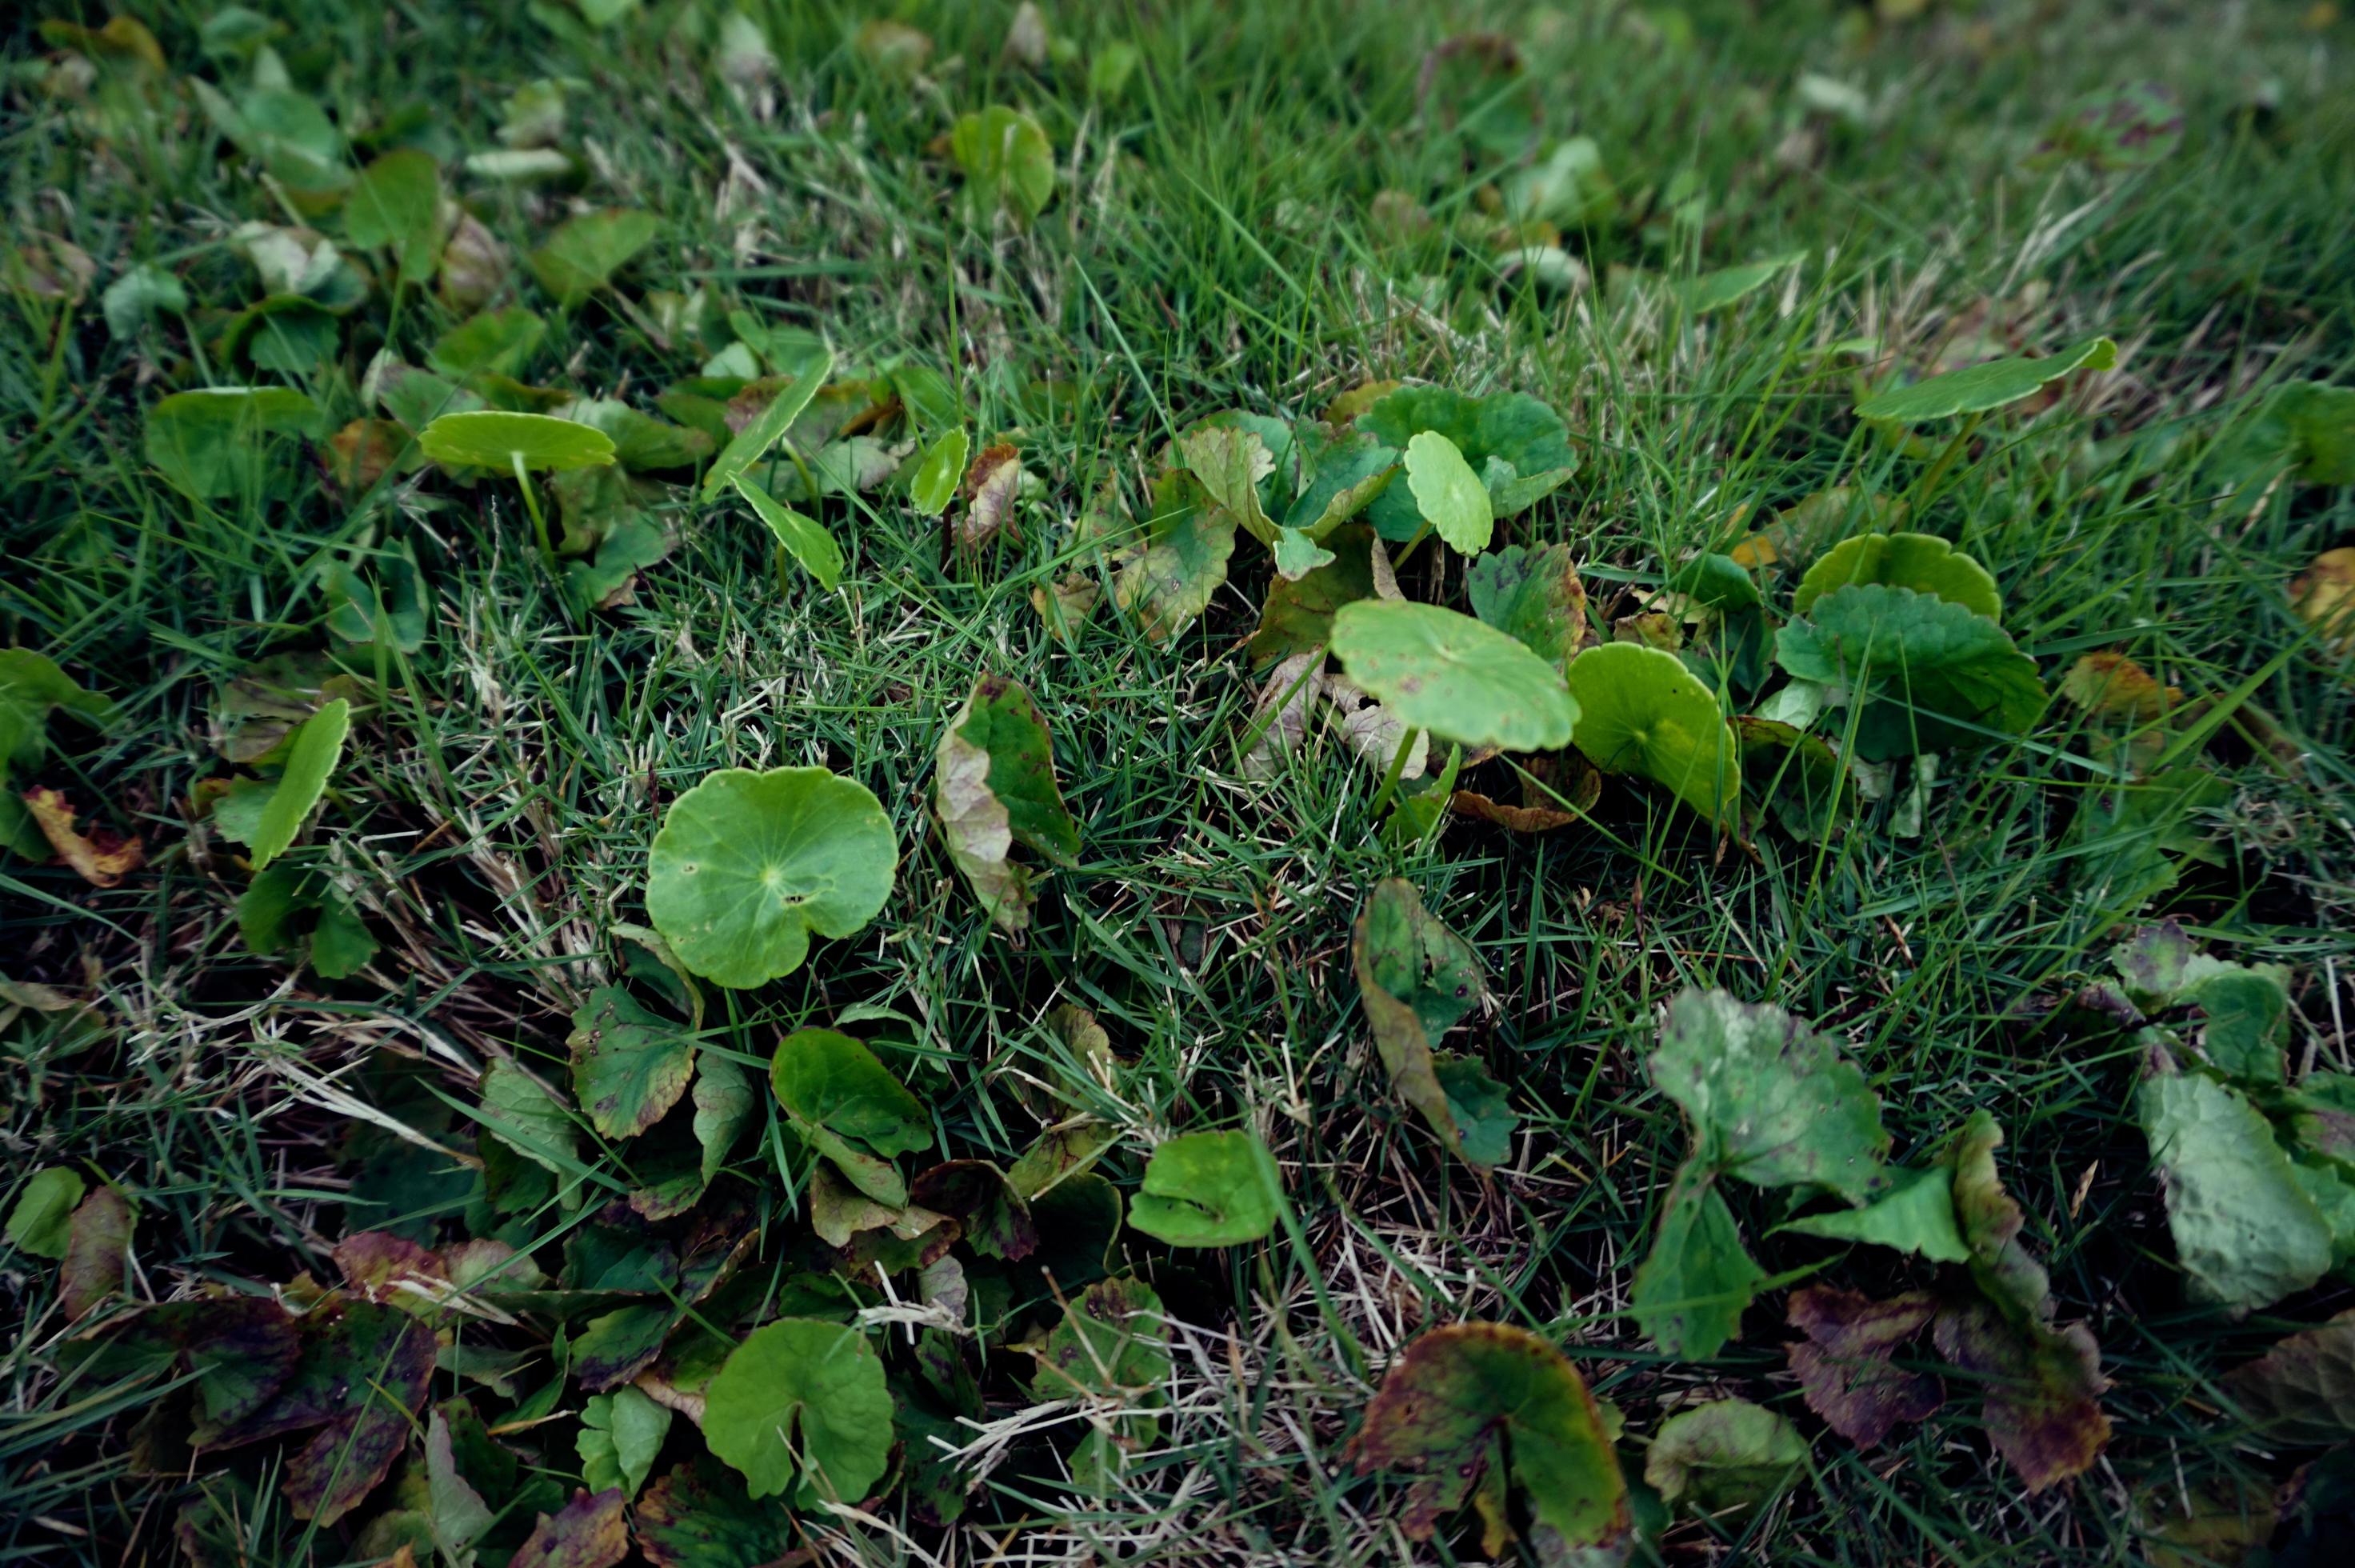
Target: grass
{"type": "Point", "coordinates": [1210, 247]}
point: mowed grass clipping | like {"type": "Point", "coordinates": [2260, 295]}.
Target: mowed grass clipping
{"type": "Point", "coordinates": [1893, 1125]}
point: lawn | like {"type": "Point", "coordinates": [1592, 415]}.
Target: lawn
{"type": "Point", "coordinates": [1177, 783]}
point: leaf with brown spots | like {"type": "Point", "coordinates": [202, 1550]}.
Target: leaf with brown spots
{"type": "Point", "coordinates": [587, 1533]}
{"type": "Point", "coordinates": [2112, 686]}
{"type": "Point", "coordinates": [1845, 1363]}
{"type": "Point", "coordinates": [102, 859]}
{"type": "Point", "coordinates": [97, 1240]}
{"type": "Point", "coordinates": [629, 1065]}
{"type": "Point", "coordinates": [1416, 980]}
{"type": "Point", "coordinates": [991, 488]}
{"type": "Point", "coordinates": [1468, 1401]}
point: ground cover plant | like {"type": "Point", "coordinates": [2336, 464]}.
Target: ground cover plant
{"type": "Point", "coordinates": [794, 782]}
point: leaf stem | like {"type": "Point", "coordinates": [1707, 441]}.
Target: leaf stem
{"type": "Point", "coordinates": [1398, 765]}
{"type": "Point", "coordinates": [531, 505]}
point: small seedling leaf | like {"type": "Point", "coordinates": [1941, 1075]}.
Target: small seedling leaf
{"type": "Point", "coordinates": [1448, 494]}
{"type": "Point", "coordinates": [806, 371]}
{"type": "Point", "coordinates": [802, 537]}
{"type": "Point", "coordinates": [1976, 388]}
{"type": "Point", "coordinates": [502, 441]}
{"type": "Point", "coordinates": [310, 759]}
{"type": "Point", "coordinates": [936, 478]}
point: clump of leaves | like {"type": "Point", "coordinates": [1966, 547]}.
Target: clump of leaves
{"type": "Point", "coordinates": [1416, 980]}
{"type": "Point", "coordinates": [1766, 1100]}
{"type": "Point", "coordinates": [993, 787]}
{"type": "Point", "coordinates": [1925, 673]}
{"type": "Point", "coordinates": [748, 865]}
{"type": "Point", "coordinates": [2259, 1172]}
{"type": "Point", "coordinates": [1519, 448]}
{"type": "Point", "coordinates": [1476, 1411]}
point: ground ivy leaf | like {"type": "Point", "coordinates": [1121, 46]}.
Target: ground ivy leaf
{"type": "Point", "coordinates": [310, 759]}
{"type": "Point", "coordinates": [1936, 674]}
{"type": "Point", "coordinates": [1642, 712]}
{"type": "Point", "coordinates": [1531, 592]}
{"type": "Point", "coordinates": [587, 250]}
{"type": "Point", "coordinates": [1111, 1348]}
{"type": "Point", "coordinates": [1297, 555]}
{"type": "Point", "coordinates": [1170, 578]}
{"type": "Point", "coordinates": [629, 1066]}
{"type": "Point", "coordinates": [42, 1221]}
{"type": "Point", "coordinates": [620, 1434]}
{"type": "Point", "coordinates": [590, 1532]}
{"type": "Point", "coordinates": [396, 205]}
{"type": "Point", "coordinates": [1453, 676]}
{"type": "Point", "coordinates": [1526, 435]}
{"type": "Point", "coordinates": [1448, 494]}
{"type": "Point", "coordinates": [1230, 462]}
{"type": "Point", "coordinates": [1208, 1190]}
{"type": "Point", "coordinates": [1693, 1286]}
{"type": "Point", "coordinates": [1416, 979]}
{"type": "Point", "coordinates": [724, 1097]}
{"type": "Point", "coordinates": [700, 1516]}
{"type": "Point", "coordinates": [994, 1214]}
{"type": "Point", "coordinates": [1922, 562]}
{"type": "Point", "coordinates": [749, 864]}
{"type": "Point", "coordinates": [2245, 1232]}
{"type": "Point", "coordinates": [1728, 1454]}
{"type": "Point", "coordinates": [1466, 1398]}
{"type": "Point", "coordinates": [1298, 616]}
{"type": "Point", "coordinates": [1770, 1100]}
{"type": "Point", "coordinates": [803, 538]}
{"type": "Point", "coordinates": [2302, 1392]}
{"type": "Point", "coordinates": [1846, 1365]}
{"type": "Point", "coordinates": [98, 1241]}
{"type": "Point", "coordinates": [1976, 388]}
{"type": "Point", "coordinates": [1916, 1214]}
{"type": "Point", "coordinates": [1008, 162]}
{"type": "Point", "coordinates": [798, 1387]}
{"type": "Point", "coordinates": [2043, 1385]}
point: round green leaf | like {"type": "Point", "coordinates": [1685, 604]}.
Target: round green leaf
{"type": "Point", "coordinates": [1454, 676]}
{"type": "Point", "coordinates": [1008, 162]}
{"type": "Point", "coordinates": [802, 1388]}
{"type": "Point", "coordinates": [490, 439]}
{"type": "Point", "coordinates": [804, 537]}
{"type": "Point", "coordinates": [1922, 562]}
{"type": "Point", "coordinates": [1727, 1455]}
{"type": "Point", "coordinates": [748, 864]}
{"type": "Point", "coordinates": [1976, 388]}
{"type": "Point", "coordinates": [310, 759]}
{"type": "Point", "coordinates": [1933, 675]}
{"type": "Point", "coordinates": [1448, 494]}
{"type": "Point", "coordinates": [1208, 1190]}
{"type": "Point", "coordinates": [1642, 712]}
{"type": "Point", "coordinates": [1471, 1395]}
{"type": "Point", "coordinates": [937, 476]}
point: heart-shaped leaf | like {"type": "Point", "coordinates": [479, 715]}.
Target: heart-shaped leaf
{"type": "Point", "coordinates": [1448, 494]}
{"type": "Point", "coordinates": [749, 864]}
{"type": "Point", "coordinates": [802, 1399]}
